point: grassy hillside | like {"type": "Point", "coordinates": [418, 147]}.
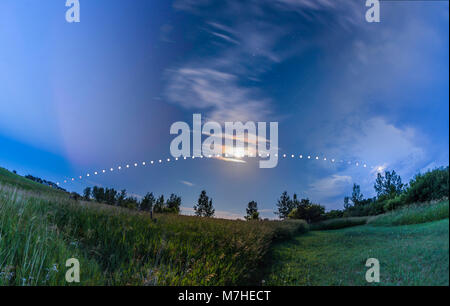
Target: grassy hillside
{"type": "Point", "coordinates": [413, 214]}
{"type": "Point", "coordinates": [408, 255]}
{"type": "Point", "coordinates": [41, 228]}
{"type": "Point", "coordinates": [11, 179]}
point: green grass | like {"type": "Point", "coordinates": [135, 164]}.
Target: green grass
{"type": "Point", "coordinates": [40, 230]}
{"type": "Point", "coordinates": [32, 251]}
{"type": "Point", "coordinates": [338, 223]}
{"type": "Point", "coordinates": [176, 250]}
{"type": "Point", "coordinates": [408, 255]}
{"type": "Point", "coordinates": [413, 214]}
{"type": "Point", "coordinates": [10, 179]}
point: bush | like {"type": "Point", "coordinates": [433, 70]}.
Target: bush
{"type": "Point", "coordinates": [333, 214]}
{"type": "Point", "coordinates": [394, 203]}
{"type": "Point", "coordinates": [432, 185]}
{"type": "Point", "coordinates": [370, 207]}
{"type": "Point", "coordinates": [288, 228]}
{"type": "Point", "coordinates": [308, 211]}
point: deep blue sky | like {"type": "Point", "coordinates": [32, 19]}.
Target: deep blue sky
{"type": "Point", "coordinates": [79, 98]}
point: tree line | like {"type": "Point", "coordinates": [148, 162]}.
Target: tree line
{"type": "Point", "coordinates": [42, 181]}
{"type": "Point", "coordinates": [149, 203]}
{"type": "Point", "coordinates": [391, 193]}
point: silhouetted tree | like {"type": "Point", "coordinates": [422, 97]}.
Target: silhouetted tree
{"type": "Point", "coordinates": [87, 194]}
{"type": "Point", "coordinates": [173, 204]}
{"type": "Point", "coordinates": [307, 211]}
{"type": "Point", "coordinates": [147, 202]}
{"type": "Point", "coordinates": [131, 203]}
{"type": "Point", "coordinates": [159, 205]}
{"type": "Point", "coordinates": [110, 196]}
{"type": "Point", "coordinates": [204, 207]}
{"type": "Point", "coordinates": [347, 204]}
{"type": "Point", "coordinates": [285, 205]}
{"type": "Point", "coordinates": [75, 196]}
{"type": "Point", "coordinates": [252, 211]}
{"type": "Point", "coordinates": [357, 196]}
{"type": "Point", "coordinates": [98, 194]}
{"type": "Point", "coordinates": [121, 198]}
{"type": "Point", "coordinates": [299, 210]}
{"type": "Point", "coordinates": [389, 185]}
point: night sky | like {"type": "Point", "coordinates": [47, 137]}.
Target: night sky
{"type": "Point", "coordinates": [82, 97]}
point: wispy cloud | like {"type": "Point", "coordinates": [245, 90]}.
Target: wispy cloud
{"type": "Point", "coordinates": [232, 160]}
{"type": "Point", "coordinates": [381, 143]}
{"type": "Point", "coordinates": [215, 84]}
{"type": "Point", "coordinates": [225, 37]}
{"type": "Point", "coordinates": [329, 187]}
{"type": "Point", "coordinates": [215, 92]}
{"type": "Point", "coordinates": [187, 183]}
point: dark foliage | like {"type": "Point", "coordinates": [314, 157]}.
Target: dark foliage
{"type": "Point", "coordinates": [44, 182]}
{"type": "Point", "coordinates": [252, 211]}
{"type": "Point", "coordinates": [204, 207]}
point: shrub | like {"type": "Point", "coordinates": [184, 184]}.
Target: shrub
{"type": "Point", "coordinates": [288, 228]}
{"type": "Point", "coordinates": [305, 210]}
{"type": "Point", "coordinates": [432, 185]}
{"type": "Point", "coordinates": [394, 203]}
{"type": "Point", "coordinates": [333, 214]}
{"type": "Point", "coordinates": [369, 207]}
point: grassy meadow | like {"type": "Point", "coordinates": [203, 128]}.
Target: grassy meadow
{"type": "Point", "coordinates": [40, 228]}
{"type": "Point", "coordinates": [409, 255]}
{"type": "Point", "coordinates": [411, 244]}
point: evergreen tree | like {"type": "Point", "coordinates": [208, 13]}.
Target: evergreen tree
{"type": "Point", "coordinates": [110, 196]}
{"type": "Point", "coordinates": [159, 205]}
{"type": "Point", "coordinates": [204, 207]}
{"type": "Point", "coordinates": [87, 194]}
{"type": "Point", "coordinates": [252, 211]}
{"type": "Point", "coordinates": [98, 194]}
{"type": "Point", "coordinates": [173, 204]}
{"type": "Point", "coordinates": [121, 198]}
{"type": "Point", "coordinates": [131, 203]}
{"type": "Point", "coordinates": [147, 202]}
{"type": "Point", "coordinates": [285, 205]}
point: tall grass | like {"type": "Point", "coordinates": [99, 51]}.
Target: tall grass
{"type": "Point", "coordinates": [120, 247]}
{"type": "Point", "coordinates": [413, 214]}
{"type": "Point", "coordinates": [32, 252]}
{"type": "Point", "coordinates": [338, 223]}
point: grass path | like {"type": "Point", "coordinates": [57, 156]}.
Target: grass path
{"type": "Point", "coordinates": [408, 255]}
